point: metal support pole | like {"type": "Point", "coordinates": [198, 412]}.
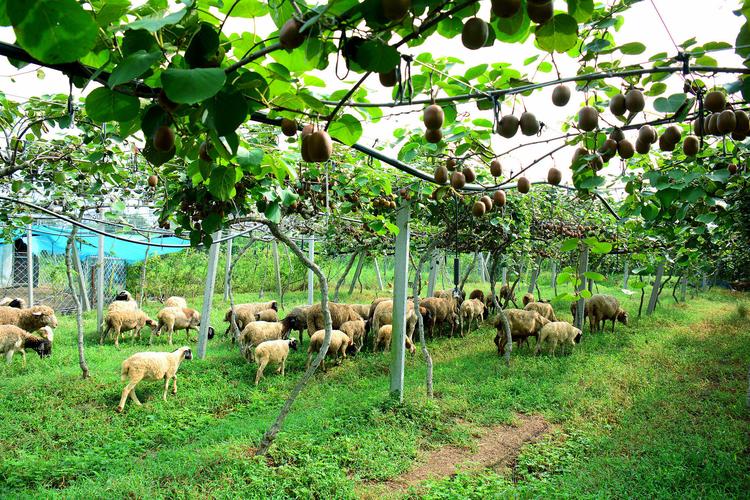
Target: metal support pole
{"type": "Point", "coordinates": [625, 275]}
{"type": "Point", "coordinates": [227, 267]}
{"type": "Point", "coordinates": [208, 295]}
{"type": "Point", "coordinates": [434, 264]}
{"type": "Point", "coordinates": [583, 264]}
{"type": "Point", "coordinates": [100, 283]}
{"type": "Point", "coordinates": [683, 288]}
{"type": "Point", "coordinates": [400, 282]}
{"type": "Point", "coordinates": [276, 267]}
{"type": "Point", "coordinates": [310, 275]}
{"type": "Point", "coordinates": [377, 273]}
{"type": "Point", "coordinates": [655, 290]}
{"type": "Point", "coordinates": [30, 263]}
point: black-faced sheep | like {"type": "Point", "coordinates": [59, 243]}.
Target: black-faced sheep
{"type": "Point", "coordinates": [124, 301]}
{"type": "Point", "coordinates": [124, 321]}
{"type": "Point", "coordinates": [602, 308]}
{"type": "Point", "coordinates": [340, 314]}
{"type": "Point", "coordinates": [470, 310]}
{"type": "Point", "coordinates": [340, 342]}
{"type": "Point", "coordinates": [151, 366]}
{"type": "Point", "coordinates": [443, 312]}
{"type": "Point", "coordinates": [558, 332]}
{"type": "Point", "coordinates": [268, 315]}
{"type": "Point", "coordinates": [16, 302]}
{"type": "Point", "coordinates": [14, 339]}
{"type": "Point", "coordinates": [542, 308]}
{"type": "Point", "coordinates": [523, 324]}
{"type": "Point", "coordinates": [383, 340]}
{"type": "Point", "coordinates": [176, 301]}
{"type": "Point", "coordinates": [298, 319]}
{"type": "Point", "coordinates": [273, 351]}
{"type": "Point", "coordinates": [31, 319]}
{"type": "Point", "coordinates": [177, 318]}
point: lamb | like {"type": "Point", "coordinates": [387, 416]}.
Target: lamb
{"type": "Point", "coordinates": [340, 314]}
{"type": "Point", "coordinates": [269, 315]}
{"type": "Point", "coordinates": [124, 321]}
{"type": "Point", "coordinates": [177, 318]}
{"type": "Point", "coordinates": [340, 342]}
{"type": "Point", "coordinates": [259, 331]}
{"type": "Point", "coordinates": [14, 339]}
{"type": "Point", "coordinates": [245, 313]}
{"type": "Point", "coordinates": [527, 299]}
{"type": "Point", "coordinates": [16, 302]}
{"type": "Point", "coordinates": [442, 310]}
{"type": "Point", "coordinates": [176, 301]}
{"type": "Point", "coordinates": [362, 309]}
{"type": "Point", "coordinates": [383, 340]}
{"type": "Point", "coordinates": [558, 332]}
{"type": "Point", "coordinates": [298, 319]}
{"type": "Point", "coordinates": [151, 366]}
{"type": "Point", "coordinates": [523, 324]}
{"type": "Point", "coordinates": [602, 308]}
{"type": "Point", "coordinates": [355, 330]}
{"type": "Point", "coordinates": [31, 319]}
{"type": "Point", "coordinates": [124, 301]}
{"type": "Point", "coordinates": [275, 351]}
{"type": "Point", "coordinates": [542, 308]}
{"type": "Point", "coordinates": [470, 309]}
{"type": "Point", "coordinates": [384, 316]}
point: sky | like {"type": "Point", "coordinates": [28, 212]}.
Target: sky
{"type": "Point", "coordinates": [707, 20]}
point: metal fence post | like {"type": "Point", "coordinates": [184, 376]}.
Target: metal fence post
{"type": "Point", "coordinates": [208, 295]}
{"type": "Point", "coordinates": [227, 268]}
{"type": "Point", "coordinates": [401, 262]}
{"type": "Point", "coordinates": [310, 275]}
{"type": "Point", "coordinates": [30, 264]}
{"type": "Point", "coordinates": [377, 273]}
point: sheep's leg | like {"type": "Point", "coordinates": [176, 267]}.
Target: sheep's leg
{"type": "Point", "coordinates": [554, 347]}
{"type": "Point", "coordinates": [126, 392]}
{"type": "Point", "coordinates": [9, 357]}
{"type": "Point", "coordinates": [174, 384]}
{"type": "Point", "coordinates": [134, 397]}
{"type": "Point", "coordinates": [137, 334]}
{"type": "Point", "coordinates": [117, 337]}
{"type": "Point", "coordinates": [23, 357]}
{"type": "Point", "coordinates": [309, 360]}
{"type": "Point", "coordinates": [171, 331]}
{"type": "Point", "coordinates": [166, 387]}
{"type": "Point", "coordinates": [613, 324]}
{"type": "Point", "coordinates": [104, 333]}
{"type": "Point", "coordinates": [261, 367]}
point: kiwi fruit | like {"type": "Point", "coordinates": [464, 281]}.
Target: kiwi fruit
{"type": "Point", "coordinates": [288, 127]}
{"type": "Point", "coordinates": [307, 130]}
{"type": "Point", "coordinates": [499, 198]}
{"type": "Point", "coordinates": [523, 185]}
{"type": "Point", "coordinates": [673, 134]}
{"type": "Point", "coordinates": [320, 146]}
{"type": "Point", "coordinates": [646, 134]}
{"type": "Point", "coordinates": [554, 176]}
{"type": "Point", "coordinates": [153, 181]}
{"type": "Point", "coordinates": [597, 163]}
{"type": "Point", "coordinates": [458, 181]}
{"type": "Point", "coordinates": [450, 164]}
{"type": "Point", "coordinates": [654, 134]}
{"type": "Point", "coordinates": [618, 105]}
{"type": "Point", "coordinates": [713, 125]}
{"type": "Point", "coordinates": [588, 118]}
{"type": "Point", "coordinates": [203, 152]}
{"type": "Point", "coordinates": [698, 126]}
{"type": "Point", "coordinates": [469, 174]}
{"type": "Point", "coordinates": [433, 136]}
{"type": "Point", "coordinates": [289, 36]}
{"type": "Point", "coordinates": [474, 33]}
{"type": "Point", "coordinates": [506, 8]}
{"type": "Point", "coordinates": [478, 209]}
{"type": "Point", "coordinates": [665, 144]}
{"type": "Point", "coordinates": [395, 10]}
{"type": "Point", "coordinates": [608, 149]}
{"type": "Point", "coordinates": [726, 122]}
{"type": "Point", "coordinates": [560, 95]}
{"type": "Point", "coordinates": [540, 11]}
{"type": "Point", "coordinates": [691, 145]}
{"type": "Point", "coordinates": [617, 134]}
{"type": "Point", "coordinates": [529, 124]}
{"type": "Point", "coordinates": [305, 148]}
{"type": "Point", "coordinates": [508, 126]}
{"type": "Point", "coordinates": [634, 101]}
{"type": "Point", "coordinates": [433, 117]}
{"type": "Point", "coordinates": [441, 175]}
{"type": "Point", "coordinates": [577, 155]}
{"type": "Point", "coordinates": [487, 202]}
{"type": "Point", "coordinates": [625, 149]}
{"type": "Point", "coordinates": [496, 168]}
{"type": "Point", "coordinates": [738, 137]}
{"type": "Point", "coordinates": [732, 168]}
{"type": "Point", "coordinates": [388, 79]}
{"type": "Point", "coordinates": [166, 103]}
{"type": "Point", "coordinates": [715, 101]}
{"type": "Point", "coordinates": [642, 147]}
{"type": "Point", "coordinates": [163, 139]}
{"type": "Point", "coordinates": [743, 122]}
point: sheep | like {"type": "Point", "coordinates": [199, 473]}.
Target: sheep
{"type": "Point", "coordinates": [528, 299]}
{"type": "Point", "coordinates": [31, 319]}
{"type": "Point", "coordinates": [14, 339]}
{"type": "Point", "coordinates": [362, 309]}
{"type": "Point", "coordinates": [151, 366]}
{"type": "Point", "coordinates": [479, 294]}
{"type": "Point", "coordinates": [470, 309]}
{"type": "Point", "coordinates": [384, 316]}
{"type": "Point", "coordinates": [355, 330]}
{"type": "Point", "coordinates": [124, 321]}
{"type": "Point", "coordinates": [558, 332]}
{"type": "Point", "coordinates": [269, 315]}
{"type": "Point", "coordinates": [177, 318]}
{"type": "Point", "coordinates": [245, 313]}
{"type": "Point", "coordinates": [298, 319]}
{"type": "Point", "coordinates": [601, 308]}
{"type": "Point", "coordinates": [459, 295]}
{"type": "Point", "coordinates": [542, 308]}
{"type": "Point", "coordinates": [574, 309]}
{"type": "Point", "coordinates": [383, 340]}
{"type": "Point", "coordinates": [337, 348]}
{"type": "Point", "coordinates": [442, 310]}
{"type": "Point", "coordinates": [374, 306]}
{"type": "Point", "coordinates": [523, 324]}
{"type": "Point", "coordinates": [275, 351]}
{"type": "Point", "coordinates": [176, 301]}
{"type": "Point", "coordinates": [16, 302]}
{"type": "Point", "coordinates": [340, 314]}
{"type": "Point", "coordinates": [259, 331]}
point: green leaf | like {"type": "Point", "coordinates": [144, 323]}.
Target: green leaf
{"type": "Point", "coordinates": [202, 47]}
{"type": "Point", "coordinates": [706, 218]}
{"type": "Point", "coordinates": [569, 244]}
{"type": "Point", "coordinates": [669, 104]}
{"type": "Point", "coordinates": [559, 34]}
{"type": "Point", "coordinates": [594, 276]}
{"type": "Point", "coordinates": [132, 67]}
{"type": "Point", "coordinates": [585, 294]}
{"type": "Point", "coordinates": [156, 22]}
{"type": "Point", "coordinates": [111, 12]}
{"type": "Point", "coordinates": [226, 112]}
{"type": "Point", "coordinates": [245, 8]}
{"type": "Point", "coordinates": [632, 48]}
{"type": "Point", "coordinates": [346, 129]}
{"type": "Point", "coordinates": [581, 10]}
{"type": "Point", "coordinates": [650, 211]}
{"type": "Point", "coordinates": [374, 55]}
{"type": "Point", "coordinates": [188, 86]}
{"type": "Point", "coordinates": [221, 182]}
{"type": "Point", "coordinates": [105, 105]}
{"type": "Point", "coordinates": [53, 31]}
{"type": "Point", "coordinates": [273, 212]}
{"type": "Point", "coordinates": [601, 247]}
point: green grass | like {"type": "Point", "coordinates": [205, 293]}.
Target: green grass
{"type": "Point", "coordinates": [656, 410]}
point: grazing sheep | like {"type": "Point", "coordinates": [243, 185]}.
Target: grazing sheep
{"type": "Point", "coordinates": [14, 339]}
{"type": "Point", "coordinates": [340, 314]}
{"type": "Point", "coordinates": [355, 330]}
{"type": "Point", "coordinates": [523, 324]}
{"type": "Point", "coordinates": [602, 308]}
{"type": "Point", "coordinates": [442, 310]}
{"type": "Point", "coordinates": [374, 306]}
{"type": "Point", "coordinates": [176, 301]}
{"type": "Point", "coordinates": [275, 351]}
{"type": "Point", "coordinates": [479, 294]}
{"type": "Point", "coordinates": [151, 366]}
{"type": "Point", "coordinates": [269, 315]}
{"type": "Point", "coordinates": [505, 294]}
{"type": "Point", "coordinates": [450, 294]}
{"type": "Point", "coordinates": [384, 316]}
{"type": "Point", "coordinates": [298, 319]}
{"type": "Point", "coordinates": [528, 299]}
{"type": "Point", "coordinates": [31, 319]}
{"type": "Point", "coordinates": [245, 313]}
{"type": "Point", "coordinates": [177, 318]}
{"type": "Point", "coordinates": [470, 309]}
{"type": "Point", "coordinates": [542, 308]}
{"type": "Point", "coordinates": [124, 321]}
{"type": "Point", "coordinates": [558, 332]}
{"type": "Point", "coordinates": [362, 309]}
{"type": "Point", "coordinates": [337, 349]}
{"type": "Point", "coordinates": [124, 301]}
{"type": "Point", "coordinates": [259, 331]}
{"type": "Point", "coordinates": [383, 340]}
{"type": "Point", "coordinates": [16, 302]}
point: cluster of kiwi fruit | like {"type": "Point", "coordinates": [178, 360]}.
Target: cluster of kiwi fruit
{"type": "Point", "coordinates": [509, 125]}
{"type": "Point", "coordinates": [722, 120]}
{"type": "Point", "coordinates": [632, 101]}
{"type": "Point", "coordinates": [539, 11]}
{"type": "Point", "coordinates": [385, 201]}
{"type": "Point", "coordinates": [550, 229]}
{"type": "Point", "coordinates": [433, 119]}
{"type": "Point", "coordinates": [483, 205]}
{"type": "Point", "coordinates": [317, 145]}
{"type": "Point", "coordinates": [449, 172]}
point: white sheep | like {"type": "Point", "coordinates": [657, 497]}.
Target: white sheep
{"type": "Point", "coordinates": [337, 348]}
{"type": "Point", "coordinates": [543, 308]}
{"type": "Point", "coordinates": [124, 321]}
{"type": "Point", "coordinates": [177, 318]}
{"type": "Point", "coordinates": [245, 313]}
{"type": "Point", "coordinates": [176, 301]}
{"type": "Point", "coordinates": [14, 339]}
{"type": "Point", "coordinates": [383, 339]}
{"type": "Point", "coordinates": [275, 351]}
{"type": "Point", "coordinates": [16, 302]}
{"type": "Point", "coordinates": [471, 309]}
{"type": "Point", "coordinates": [260, 331]}
{"type": "Point", "coordinates": [558, 332]}
{"type": "Point", "coordinates": [31, 319]}
{"type": "Point", "coordinates": [269, 315]}
{"type": "Point", "coordinates": [355, 330]}
{"type": "Point", "coordinates": [151, 366]}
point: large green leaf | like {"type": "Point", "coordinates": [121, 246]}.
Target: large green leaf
{"type": "Point", "coordinates": [245, 8]}
{"type": "Point", "coordinates": [221, 182]}
{"type": "Point", "coordinates": [559, 34]}
{"type": "Point", "coordinates": [347, 129]}
{"type": "Point", "coordinates": [188, 86]}
{"type": "Point", "coordinates": [669, 104]}
{"type": "Point", "coordinates": [156, 22]}
{"type": "Point", "coordinates": [53, 31]}
{"type": "Point", "coordinates": [105, 105]}
{"type": "Point", "coordinates": [227, 111]}
{"type": "Point", "coordinates": [374, 55]}
{"type": "Point", "coordinates": [632, 48]}
{"type": "Point", "coordinates": [132, 67]}
{"type": "Point", "coordinates": [569, 245]}
{"type": "Point", "coordinates": [581, 10]}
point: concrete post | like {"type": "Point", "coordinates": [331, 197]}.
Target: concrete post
{"type": "Point", "coordinates": [100, 283]}
{"type": "Point", "coordinates": [208, 295]}
{"type": "Point", "coordinates": [400, 282]}
{"type": "Point", "coordinates": [227, 268]}
{"type": "Point", "coordinates": [30, 264]}
{"type": "Point", "coordinates": [310, 275]}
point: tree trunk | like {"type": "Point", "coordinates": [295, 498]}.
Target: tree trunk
{"type": "Point", "coordinates": [416, 290]}
{"type": "Point", "coordinates": [360, 263]}
{"type": "Point", "coordinates": [143, 273]}
{"type": "Point", "coordinates": [343, 276]}
{"type": "Point", "coordinates": [656, 288]}
{"type": "Point", "coordinates": [554, 277]}
{"type": "Point", "coordinates": [643, 295]}
{"type": "Point", "coordinates": [79, 313]}
{"type": "Point", "coordinates": [625, 275]}
{"type": "Point", "coordinates": [501, 317]}
{"type": "Point", "coordinates": [534, 275]}
{"type": "Point", "coordinates": [583, 267]}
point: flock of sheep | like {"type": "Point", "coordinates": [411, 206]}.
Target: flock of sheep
{"type": "Point", "coordinates": [265, 339]}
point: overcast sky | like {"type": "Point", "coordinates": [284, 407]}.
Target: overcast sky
{"type": "Point", "coordinates": [707, 20]}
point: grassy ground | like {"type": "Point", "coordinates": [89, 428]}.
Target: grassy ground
{"type": "Point", "coordinates": [656, 410]}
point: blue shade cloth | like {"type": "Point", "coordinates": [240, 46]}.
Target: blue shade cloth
{"type": "Point", "coordinates": [52, 240]}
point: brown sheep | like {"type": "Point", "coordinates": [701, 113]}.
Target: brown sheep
{"type": "Point", "coordinates": [442, 310]}
{"type": "Point", "coordinates": [269, 315]}
{"type": "Point", "coordinates": [558, 332]}
{"type": "Point", "coordinates": [477, 294]}
{"type": "Point", "coordinates": [523, 324]}
{"type": "Point", "coordinates": [124, 321]}
{"type": "Point", "coordinates": [177, 318]}
{"type": "Point", "coordinates": [362, 309]}
{"type": "Point", "coordinates": [14, 339]}
{"type": "Point", "coordinates": [449, 294]}
{"type": "Point", "coordinates": [602, 308]}
{"type": "Point", "coordinates": [245, 313]}
{"type": "Point", "coordinates": [384, 316]}
{"type": "Point", "coordinates": [383, 339]}
{"type": "Point", "coordinates": [31, 319]}
{"type": "Point", "coordinates": [340, 342]}
{"type": "Point", "coordinates": [374, 305]}
{"type": "Point", "coordinates": [298, 319]}
{"type": "Point", "coordinates": [471, 309]}
{"type": "Point", "coordinates": [355, 330]}
{"type": "Point", "coordinates": [340, 314]}
{"type": "Point", "coordinates": [542, 308]}
{"type": "Point", "coordinates": [527, 299]}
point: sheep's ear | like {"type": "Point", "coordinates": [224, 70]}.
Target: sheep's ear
{"type": "Point", "coordinates": [36, 313]}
